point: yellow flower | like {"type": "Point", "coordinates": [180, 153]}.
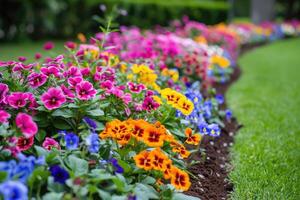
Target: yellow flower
{"type": "Point", "coordinates": [157, 99]}
{"type": "Point", "coordinates": [185, 106]}
{"type": "Point", "coordinates": [123, 67]}
{"type": "Point", "coordinates": [220, 60]}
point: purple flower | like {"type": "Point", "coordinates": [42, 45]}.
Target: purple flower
{"type": "Point", "coordinates": [72, 141]}
{"type": "Point", "coordinates": [14, 190]}
{"type": "Point", "coordinates": [59, 174]}
{"type": "Point", "coordinates": [149, 104]}
{"type": "Point", "coordinates": [117, 167]}
{"type": "Point", "coordinates": [228, 114]}
{"type": "Point", "coordinates": [53, 98]}
{"type": "Point", "coordinates": [91, 123]}
{"type": "Point", "coordinates": [36, 80]}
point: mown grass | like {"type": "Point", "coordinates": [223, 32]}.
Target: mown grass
{"type": "Point", "coordinates": [28, 49]}
{"type": "Point", "coordinates": [266, 100]}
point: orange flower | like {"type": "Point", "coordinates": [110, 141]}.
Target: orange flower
{"type": "Point", "coordinates": [192, 139]}
{"type": "Point", "coordinates": [138, 128]}
{"type": "Point", "coordinates": [154, 137]}
{"type": "Point", "coordinates": [143, 160]}
{"type": "Point", "coordinates": [120, 131]}
{"type": "Point", "coordinates": [179, 148]}
{"type": "Point", "coordinates": [158, 158]}
{"type": "Point", "coordinates": [180, 179]}
{"type": "Point", "coordinates": [168, 167]}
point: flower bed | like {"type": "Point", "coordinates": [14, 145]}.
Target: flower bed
{"type": "Point", "coordinates": [122, 117]}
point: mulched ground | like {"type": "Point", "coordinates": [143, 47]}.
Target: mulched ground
{"type": "Point", "coordinates": [211, 173]}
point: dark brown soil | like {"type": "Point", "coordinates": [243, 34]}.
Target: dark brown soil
{"type": "Point", "coordinates": [211, 174]}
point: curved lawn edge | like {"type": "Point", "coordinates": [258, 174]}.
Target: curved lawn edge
{"type": "Point", "coordinates": [266, 100]}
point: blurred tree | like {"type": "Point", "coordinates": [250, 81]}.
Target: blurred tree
{"type": "Point", "coordinates": [262, 10]}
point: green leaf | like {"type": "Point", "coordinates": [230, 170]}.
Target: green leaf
{"type": "Point", "coordinates": [181, 196]}
{"type": "Point", "coordinates": [95, 113]}
{"type": "Point", "coordinates": [145, 192]}
{"type": "Point", "coordinates": [103, 194]}
{"type": "Point", "coordinates": [41, 151]}
{"type": "Point", "coordinates": [3, 176]}
{"type": "Point", "coordinates": [61, 124]}
{"type": "Point", "coordinates": [66, 113]}
{"type": "Point", "coordinates": [39, 175]}
{"type": "Point", "coordinates": [53, 195]}
{"type": "Point", "coordinates": [40, 136]}
{"type": "Point", "coordinates": [78, 165]}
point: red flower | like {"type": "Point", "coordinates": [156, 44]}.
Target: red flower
{"type": "Point", "coordinates": [24, 143]}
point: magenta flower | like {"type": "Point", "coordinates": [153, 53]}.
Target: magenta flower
{"type": "Point", "coordinates": [70, 44]}
{"type": "Point", "coordinates": [37, 56]}
{"type": "Point", "coordinates": [149, 104]}
{"type": "Point", "coordinates": [107, 84]}
{"type": "Point", "coordinates": [135, 88]}
{"type": "Point", "coordinates": [26, 124]}
{"type": "Point", "coordinates": [32, 102]}
{"type": "Point", "coordinates": [67, 92]}
{"type": "Point", "coordinates": [73, 81]}
{"type": "Point", "coordinates": [53, 98]}
{"type": "Point", "coordinates": [51, 70]}
{"type": "Point", "coordinates": [48, 45]}
{"type": "Point", "coordinates": [85, 90]}
{"type": "Point", "coordinates": [85, 71]}
{"type": "Point", "coordinates": [4, 116]}
{"type": "Point", "coordinates": [22, 58]}
{"type": "Point", "coordinates": [49, 143]}
{"type": "Point", "coordinates": [3, 92]}
{"type": "Point", "coordinates": [127, 98]}
{"type": "Point", "coordinates": [36, 80]}
{"type": "Point", "coordinates": [72, 72]}
{"type": "Point", "coordinates": [17, 99]}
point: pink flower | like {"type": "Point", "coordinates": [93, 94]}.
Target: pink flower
{"type": "Point", "coordinates": [127, 98]}
{"type": "Point", "coordinates": [149, 104]}
{"type": "Point", "coordinates": [51, 70]}
{"type": "Point", "coordinates": [26, 124]}
{"type": "Point", "coordinates": [73, 81]}
{"type": "Point", "coordinates": [24, 143]}
{"type": "Point", "coordinates": [17, 99]}
{"type": "Point", "coordinates": [49, 143]}
{"type": "Point", "coordinates": [36, 80]}
{"type": "Point", "coordinates": [70, 44]}
{"type": "Point", "coordinates": [107, 84]}
{"type": "Point", "coordinates": [32, 102]}
{"type": "Point", "coordinates": [67, 92]}
{"type": "Point", "coordinates": [22, 59]}
{"type": "Point", "coordinates": [85, 71]}
{"type": "Point", "coordinates": [48, 45]}
{"type": "Point", "coordinates": [53, 98]}
{"type": "Point", "coordinates": [85, 90]}
{"type": "Point", "coordinates": [135, 88]}
{"type": "Point", "coordinates": [72, 72]}
{"type": "Point", "coordinates": [4, 116]}
{"type": "Point", "coordinates": [37, 56]}
{"type": "Point", "coordinates": [3, 92]}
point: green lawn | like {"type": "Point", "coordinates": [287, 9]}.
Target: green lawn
{"type": "Point", "coordinates": [266, 100]}
{"type": "Point", "coordinates": [28, 49]}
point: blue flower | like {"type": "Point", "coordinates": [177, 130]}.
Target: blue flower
{"type": "Point", "coordinates": [117, 167]}
{"type": "Point", "coordinates": [13, 190]}
{"type": "Point", "coordinates": [60, 174]}
{"type": "Point", "coordinates": [91, 123]}
{"type": "Point", "coordinates": [72, 141]}
{"type": "Point", "coordinates": [214, 130]}
{"type": "Point", "coordinates": [228, 114]}
{"type": "Point", "coordinates": [220, 98]}
{"type": "Point", "coordinates": [93, 143]}
{"type": "Point", "coordinates": [9, 168]}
